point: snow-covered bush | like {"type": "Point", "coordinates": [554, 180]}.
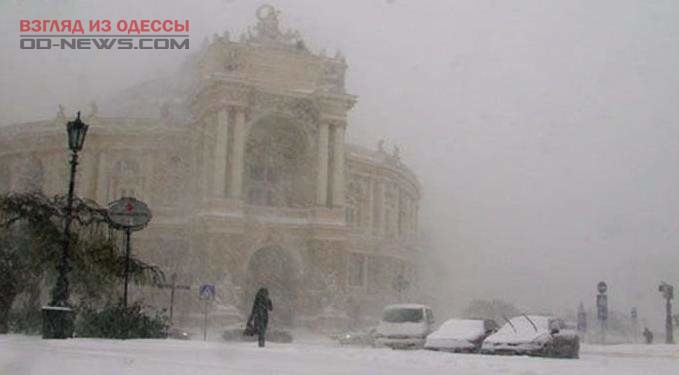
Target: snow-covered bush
{"type": "Point", "coordinates": [114, 321]}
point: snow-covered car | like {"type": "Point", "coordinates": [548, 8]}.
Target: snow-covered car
{"type": "Point", "coordinates": [461, 335]}
{"type": "Point", "coordinates": [404, 326]}
{"type": "Point", "coordinates": [543, 336]}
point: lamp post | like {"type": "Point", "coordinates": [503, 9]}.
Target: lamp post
{"type": "Point", "coordinates": [667, 291]}
{"type": "Point", "coordinates": [602, 308]}
{"type": "Point", "coordinates": [58, 316]}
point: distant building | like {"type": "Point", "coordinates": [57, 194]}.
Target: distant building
{"type": "Point", "coordinates": [242, 158]}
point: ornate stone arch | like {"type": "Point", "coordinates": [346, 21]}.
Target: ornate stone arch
{"type": "Point", "coordinates": [305, 111]}
{"type": "Point", "coordinates": [306, 127]}
{"type": "Point", "coordinates": [278, 268]}
{"type": "Point", "coordinates": [279, 163]}
{"type": "Point", "coordinates": [289, 251]}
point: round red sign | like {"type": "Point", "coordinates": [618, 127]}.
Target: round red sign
{"type": "Point", "coordinates": [129, 213]}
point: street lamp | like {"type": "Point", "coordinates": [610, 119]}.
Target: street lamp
{"type": "Point", "coordinates": [76, 136]}
{"type": "Point", "coordinates": [58, 316]}
{"type": "Point", "coordinates": [667, 291]}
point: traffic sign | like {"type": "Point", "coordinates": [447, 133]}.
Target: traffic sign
{"type": "Point", "coordinates": [129, 213]}
{"type": "Point", "coordinates": [207, 292]}
{"type": "Point", "coordinates": [602, 287]}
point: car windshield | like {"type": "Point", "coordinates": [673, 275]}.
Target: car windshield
{"type": "Point", "coordinates": [524, 326]}
{"type": "Point", "coordinates": [402, 315]}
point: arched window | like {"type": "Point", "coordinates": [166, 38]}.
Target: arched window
{"type": "Point", "coordinates": [126, 181]}
{"type": "Point", "coordinates": [278, 168]}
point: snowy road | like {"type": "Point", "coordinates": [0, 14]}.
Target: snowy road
{"type": "Point", "coordinates": [29, 355]}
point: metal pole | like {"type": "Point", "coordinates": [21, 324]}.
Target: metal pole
{"type": "Point", "coordinates": [61, 290]}
{"type": "Point", "coordinates": [127, 264]}
{"type": "Point", "coordinates": [174, 282]}
{"type": "Point", "coordinates": [205, 320]}
{"type": "Point", "coordinates": [669, 337]}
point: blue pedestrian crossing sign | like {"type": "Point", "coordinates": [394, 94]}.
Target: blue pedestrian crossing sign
{"type": "Point", "coordinates": [207, 291]}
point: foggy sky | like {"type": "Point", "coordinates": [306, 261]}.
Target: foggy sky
{"type": "Point", "coordinates": [545, 134]}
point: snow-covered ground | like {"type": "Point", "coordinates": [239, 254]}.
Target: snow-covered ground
{"type": "Point", "coordinates": [31, 355]}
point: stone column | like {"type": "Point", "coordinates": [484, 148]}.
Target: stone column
{"type": "Point", "coordinates": [236, 180]}
{"type": "Point", "coordinates": [322, 182]}
{"type": "Point", "coordinates": [338, 166]}
{"type": "Point", "coordinates": [206, 169]}
{"type": "Point", "coordinates": [221, 134]}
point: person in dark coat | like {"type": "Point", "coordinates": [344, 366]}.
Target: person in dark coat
{"type": "Point", "coordinates": [648, 335]}
{"type": "Point", "coordinates": [259, 317]}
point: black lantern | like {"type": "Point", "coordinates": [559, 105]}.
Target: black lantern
{"type": "Point", "coordinates": [76, 134]}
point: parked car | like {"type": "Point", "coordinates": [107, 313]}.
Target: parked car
{"type": "Point", "coordinates": [544, 336]}
{"type": "Point", "coordinates": [461, 335]}
{"type": "Point", "coordinates": [404, 326]}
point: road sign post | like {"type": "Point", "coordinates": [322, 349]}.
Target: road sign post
{"type": "Point", "coordinates": [207, 294]}
{"type": "Point", "coordinates": [128, 214]}
{"type": "Point", "coordinates": [602, 308]}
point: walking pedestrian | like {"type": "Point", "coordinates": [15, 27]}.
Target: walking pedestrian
{"type": "Point", "coordinates": [648, 335]}
{"type": "Point", "coordinates": [259, 317]}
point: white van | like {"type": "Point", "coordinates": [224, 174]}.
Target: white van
{"type": "Point", "coordinates": [405, 326]}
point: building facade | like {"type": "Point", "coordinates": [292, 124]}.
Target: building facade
{"type": "Point", "coordinates": [242, 158]}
